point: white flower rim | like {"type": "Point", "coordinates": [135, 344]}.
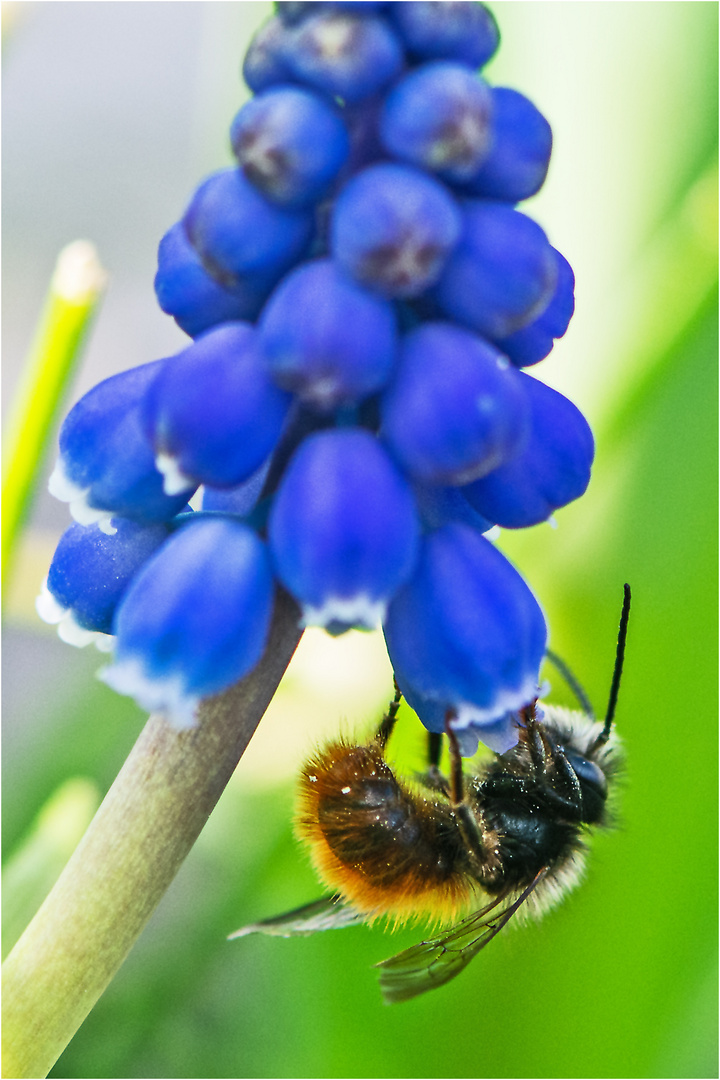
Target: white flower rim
{"type": "Point", "coordinates": [175, 481]}
{"type": "Point", "coordinates": [470, 715]}
{"type": "Point", "coordinates": [359, 610]}
{"type": "Point", "coordinates": [167, 695]}
{"type": "Point", "coordinates": [48, 608]}
{"type": "Point", "coordinates": [66, 490]}
{"type": "Point", "coordinates": [69, 629]}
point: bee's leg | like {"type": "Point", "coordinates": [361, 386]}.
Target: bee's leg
{"type": "Point", "coordinates": [434, 750]}
{"type": "Point", "coordinates": [457, 786]}
{"type": "Point", "coordinates": [388, 721]}
{"type": "Point", "coordinates": [536, 740]}
{"type": "Point", "coordinates": [484, 857]}
{"type": "Point", "coordinates": [551, 765]}
{"type": "Point", "coordinates": [545, 756]}
{"type": "Point", "coordinates": [433, 778]}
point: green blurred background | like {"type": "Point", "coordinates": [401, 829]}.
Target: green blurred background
{"type": "Point", "coordinates": [112, 114]}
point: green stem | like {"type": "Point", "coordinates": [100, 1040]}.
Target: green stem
{"type": "Point", "coordinates": [72, 298]}
{"type": "Point", "coordinates": [135, 845]}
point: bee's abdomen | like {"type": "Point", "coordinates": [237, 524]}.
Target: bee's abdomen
{"type": "Point", "coordinates": [374, 840]}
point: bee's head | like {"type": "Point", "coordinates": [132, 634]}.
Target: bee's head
{"type": "Point", "coordinates": [593, 785]}
{"type": "Point", "coordinates": [594, 760]}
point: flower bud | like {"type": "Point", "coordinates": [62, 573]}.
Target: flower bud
{"type": "Point", "coordinates": [292, 12]}
{"type": "Point", "coordinates": [393, 228]}
{"type": "Point", "coordinates": [438, 117]}
{"type": "Point", "coordinates": [455, 409]}
{"type": "Point", "coordinates": [265, 63]}
{"type": "Point", "coordinates": [197, 301]}
{"type": "Point", "coordinates": [236, 232]}
{"type": "Point", "coordinates": [345, 56]}
{"type": "Point", "coordinates": [501, 275]}
{"type": "Point", "coordinates": [452, 30]}
{"type": "Point", "coordinates": [326, 338]}
{"type": "Point", "coordinates": [533, 342]}
{"type": "Point", "coordinates": [518, 159]}
{"type": "Point", "coordinates": [290, 144]}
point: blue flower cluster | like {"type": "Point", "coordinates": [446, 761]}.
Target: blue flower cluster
{"type": "Point", "coordinates": [362, 294]}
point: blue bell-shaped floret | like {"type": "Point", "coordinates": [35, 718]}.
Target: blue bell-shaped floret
{"type": "Point", "coordinates": [89, 574]}
{"type": "Point", "coordinates": [214, 414]}
{"type": "Point", "coordinates": [106, 466]}
{"type": "Point", "coordinates": [194, 620]}
{"type": "Point", "coordinates": [551, 471]}
{"type": "Point", "coordinates": [466, 632]}
{"type": "Point", "coordinates": [343, 529]}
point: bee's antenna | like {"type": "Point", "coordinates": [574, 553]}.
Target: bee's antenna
{"type": "Point", "coordinates": [617, 671]}
{"type": "Point", "coordinates": [572, 682]}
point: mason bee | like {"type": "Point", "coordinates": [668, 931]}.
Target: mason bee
{"type": "Point", "coordinates": [509, 837]}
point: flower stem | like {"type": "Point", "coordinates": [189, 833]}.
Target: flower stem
{"type": "Point", "coordinates": [73, 296]}
{"type": "Point", "coordinates": [131, 852]}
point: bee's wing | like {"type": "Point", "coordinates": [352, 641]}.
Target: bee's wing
{"type": "Point", "coordinates": [434, 962]}
{"type": "Point", "coordinates": [328, 913]}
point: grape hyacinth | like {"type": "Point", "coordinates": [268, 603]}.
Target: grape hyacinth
{"type": "Point", "coordinates": [361, 294]}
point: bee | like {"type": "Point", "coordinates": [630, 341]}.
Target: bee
{"type": "Point", "coordinates": [510, 837]}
